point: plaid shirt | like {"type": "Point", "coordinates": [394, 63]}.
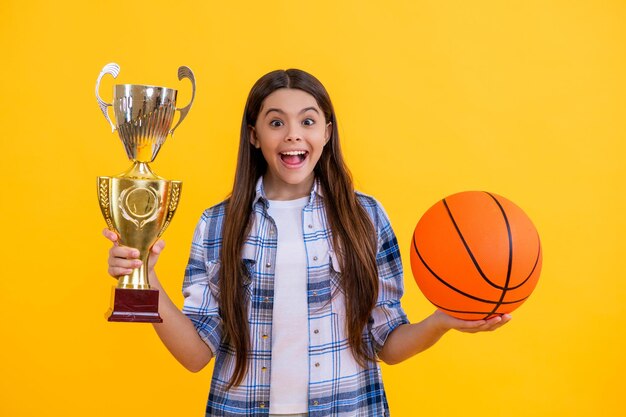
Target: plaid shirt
{"type": "Point", "coordinates": [338, 386]}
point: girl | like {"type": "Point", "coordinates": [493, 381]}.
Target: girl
{"type": "Point", "coordinates": [293, 283]}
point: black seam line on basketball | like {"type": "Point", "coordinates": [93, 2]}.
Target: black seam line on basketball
{"type": "Point", "coordinates": [453, 288]}
{"type": "Point", "coordinates": [467, 248]}
{"type": "Point", "coordinates": [459, 311]}
{"type": "Point", "coordinates": [510, 266]}
{"type": "Point", "coordinates": [532, 271]}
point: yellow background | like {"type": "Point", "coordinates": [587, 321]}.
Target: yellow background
{"type": "Point", "coordinates": [523, 98]}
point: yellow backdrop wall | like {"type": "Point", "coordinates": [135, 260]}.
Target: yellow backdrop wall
{"type": "Point", "coordinates": [522, 98]}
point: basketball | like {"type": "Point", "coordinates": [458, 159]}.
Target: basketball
{"type": "Point", "coordinates": [475, 255]}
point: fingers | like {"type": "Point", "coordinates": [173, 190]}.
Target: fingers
{"type": "Point", "coordinates": [123, 252]}
{"type": "Point", "coordinates": [122, 260]}
{"type": "Point", "coordinates": [488, 325]}
{"type": "Point", "coordinates": [111, 235]}
{"type": "Point", "coordinates": [156, 250]}
{"type": "Point", "coordinates": [158, 247]}
{"type": "Point", "coordinates": [117, 272]}
{"type": "Point", "coordinates": [504, 319]}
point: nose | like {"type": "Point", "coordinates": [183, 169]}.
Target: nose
{"type": "Point", "coordinates": [293, 135]}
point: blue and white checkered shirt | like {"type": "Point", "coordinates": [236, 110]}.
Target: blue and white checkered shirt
{"type": "Point", "coordinates": [338, 386]}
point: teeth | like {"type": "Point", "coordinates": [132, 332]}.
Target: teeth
{"type": "Point", "coordinates": [294, 153]}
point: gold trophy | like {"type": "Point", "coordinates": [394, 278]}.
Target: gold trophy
{"type": "Point", "coordinates": [137, 204]}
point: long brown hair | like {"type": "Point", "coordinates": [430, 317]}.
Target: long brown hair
{"type": "Point", "coordinates": [353, 234]}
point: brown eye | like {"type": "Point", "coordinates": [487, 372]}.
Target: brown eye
{"type": "Point", "coordinates": [276, 123]}
{"type": "Point", "coordinates": [308, 122]}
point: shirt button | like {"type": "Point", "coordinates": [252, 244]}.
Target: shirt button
{"type": "Point", "coordinates": [262, 405]}
{"type": "Point", "coordinates": [314, 293]}
{"type": "Point", "coordinates": [310, 226]}
{"type": "Point", "coordinates": [317, 364]}
{"type": "Point", "coordinates": [315, 258]}
{"type": "Point", "coordinates": [268, 265]}
{"type": "Point", "coordinates": [264, 336]}
{"type": "Point", "coordinates": [316, 331]}
{"type": "Point", "coordinates": [264, 369]}
{"type": "Point", "coordinates": [316, 402]}
{"type": "Point", "coordinates": [272, 232]}
{"type": "Point", "coordinates": [266, 299]}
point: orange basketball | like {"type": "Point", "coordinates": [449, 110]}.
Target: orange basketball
{"type": "Point", "coordinates": [476, 254]}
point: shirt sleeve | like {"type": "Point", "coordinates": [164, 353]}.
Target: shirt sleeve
{"type": "Point", "coordinates": [200, 288]}
{"type": "Point", "coordinates": [388, 313]}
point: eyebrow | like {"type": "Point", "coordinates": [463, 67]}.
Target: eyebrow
{"type": "Point", "coordinates": [277, 110]}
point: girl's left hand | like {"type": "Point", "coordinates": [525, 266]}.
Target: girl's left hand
{"type": "Point", "coordinates": [471, 326]}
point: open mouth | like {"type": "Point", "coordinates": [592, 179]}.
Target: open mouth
{"type": "Point", "coordinates": [293, 158]}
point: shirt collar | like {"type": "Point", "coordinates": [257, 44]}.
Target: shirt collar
{"type": "Point", "coordinates": [261, 197]}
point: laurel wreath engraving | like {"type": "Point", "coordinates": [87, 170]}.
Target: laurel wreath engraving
{"type": "Point", "coordinates": [173, 197]}
{"type": "Point", "coordinates": [105, 203]}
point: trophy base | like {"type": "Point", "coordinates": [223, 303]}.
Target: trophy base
{"type": "Point", "coordinates": [138, 306]}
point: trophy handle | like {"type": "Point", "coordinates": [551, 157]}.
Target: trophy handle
{"type": "Point", "coordinates": [185, 72]}
{"type": "Point", "coordinates": [113, 69]}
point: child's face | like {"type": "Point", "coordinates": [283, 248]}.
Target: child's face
{"type": "Point", "coordinates": [291, 132]}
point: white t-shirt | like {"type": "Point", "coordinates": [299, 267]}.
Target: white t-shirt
{"type": "Point", "coordinates": [289, 378]}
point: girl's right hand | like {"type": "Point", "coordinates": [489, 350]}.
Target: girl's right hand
{"type": "Point", "coordinates": [122, 259]}
{"type": "Point", "coordinates": [447, 322]}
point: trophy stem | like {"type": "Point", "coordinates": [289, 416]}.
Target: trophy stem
{"type": "Point", "coordinates": [140, 171]}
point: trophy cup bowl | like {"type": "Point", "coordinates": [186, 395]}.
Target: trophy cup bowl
{"type": "Point", "coordinates": [137, 204]}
